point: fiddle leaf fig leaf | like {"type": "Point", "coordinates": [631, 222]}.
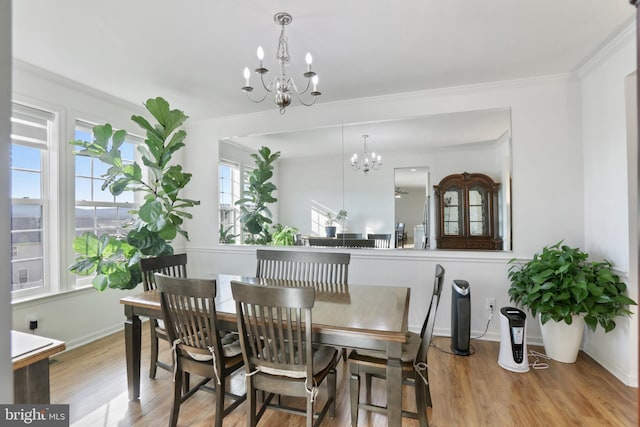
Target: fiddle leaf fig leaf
{"type": "Point", "coordinates": [150, 211]}
{"type": "Point", "coordinates": [86, 244]}
{"type": "Point", "coordinates": [100, 282]}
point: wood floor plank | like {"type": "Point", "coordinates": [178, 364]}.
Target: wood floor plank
{"type": "Point", "coordinates": [467, 391]}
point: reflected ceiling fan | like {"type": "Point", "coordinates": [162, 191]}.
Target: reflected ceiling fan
{"type": "Point", "coordinates": [399, 192]}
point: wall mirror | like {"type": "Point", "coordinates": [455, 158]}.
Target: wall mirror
{"type": "Point", "coordinates": [316, 179]}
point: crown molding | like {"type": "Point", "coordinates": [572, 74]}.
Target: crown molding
{"type": "Point", "coordinates": [57, 79]}
{"type": "Point", "coordinates": [604, 51]}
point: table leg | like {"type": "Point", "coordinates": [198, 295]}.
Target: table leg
{"type": "Point", "coordinates": [132, 340]}
{"type": "Point", "coordinates": [394, 384]}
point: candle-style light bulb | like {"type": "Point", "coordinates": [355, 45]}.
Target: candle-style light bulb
{"type": "Point", "coordinates": [314, 80]}
{"type": "Point", "coordinates": [260, 53]}
{"type": "Point", "coordinates": [247, 76]}
{"type": "Point", "coordinates": [309, 60]}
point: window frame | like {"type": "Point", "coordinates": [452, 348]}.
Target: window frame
{"type": "Point", "coordinates": [120, 229]}
{"type": "Point", "coordinates": [48, 201]}
{"type": "Point", "coordinates": [236, 194]}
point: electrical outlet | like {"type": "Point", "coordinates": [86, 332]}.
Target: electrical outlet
{"type": "Point", "coordinates": [32, 322]}
{"type": "Point", "coordinates": [490, 302]}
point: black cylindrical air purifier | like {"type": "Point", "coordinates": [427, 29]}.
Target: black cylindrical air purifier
{"type": "Point", "coordinates": [460, 317]}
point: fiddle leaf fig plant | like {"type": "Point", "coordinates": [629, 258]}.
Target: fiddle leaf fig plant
{"type": "Point", "coordinates": [255, 215]}
{"type": "Point", "coordinates": [561, 282]}
{"type": "Point", "coordinates": [158, 221]}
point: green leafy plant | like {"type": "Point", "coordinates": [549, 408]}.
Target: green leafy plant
{"type": "Point", "coordinates": [225, 236]}
{"type": "Point", "coordinates": [114, 259]}
{"type": "Point", "coordinates": [561, 282]}
{"type": "Point", "coordinates": [255, 215]}
{"type": "Point", "coordinates": [283, 235]}
{"type": "Point", "coordinates": [340, 217]}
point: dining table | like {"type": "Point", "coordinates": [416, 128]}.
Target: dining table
{"type": "Point", "coordinates": [361, 316]}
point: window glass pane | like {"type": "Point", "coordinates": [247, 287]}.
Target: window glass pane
{"type": "Point", "coordinates": [83, 135]}
{"type": "Point", "coordinates": [99, 168]}
{"type": "Point", "coordinates": [107, 217]}
{"type": "Point", "coordinates": [25, 185]}
{"type": "Point", "coordinates": [26, 217]}
{"type": "Point", "coordinates": [127, 151]}
{"type": "Point", "coordinates": [25, 157]}
{"type": "Point", "coordinates": [125, 217]}
{"type": "Point", "coordinates": [83, 165]}
{"type": "Point", "coordinates": [27, 274]}
{"type": "Point", "coordinates": [125, 197]}
{"type": "Point", "coordinates": [100, 195]}
{"type": "Point", "coordinates": [83, 189]}
{"type": "Point", "coordinates": [26, 244]}
{"type": "Point", "coordinates": [85, 217]}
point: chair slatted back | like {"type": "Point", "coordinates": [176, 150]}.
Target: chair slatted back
{"type": "Point", "coordinates": [327, 271]}
{"type": "Point", "coordinates": [381, 240]}
{"type": "Point", "coordinates": [429, 322]}
{"type": "Point", "coordinates": [341, 243]}
{"type": "Point", "coordinates": [275, 326]}
{"type": "Point", "coordinates": [349, 236]}
{"type": "Point", "coordinates": [188, 307]}
{"type": "Point", "coordinates": [170, 265]}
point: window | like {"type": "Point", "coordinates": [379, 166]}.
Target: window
{"type": "Point", "coordinates": [97, 210]}
{"type": "Point", "coordinates": [32, 133]}
{"type": "Point", "coordinates": [229, 193]}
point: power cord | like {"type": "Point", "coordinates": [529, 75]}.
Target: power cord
{"type": "Point", "coordinates": [472, 350]}
{"type": "Point", "coordinates": [486, 328]}
{"type": "Point", "coordinates": [537, 364]}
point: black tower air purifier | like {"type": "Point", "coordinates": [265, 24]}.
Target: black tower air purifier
{"type": "Point", "coordinates": [460, 317]}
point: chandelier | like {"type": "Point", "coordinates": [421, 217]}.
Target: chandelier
{"type": "Point", "coordinates": [368, 161]}
{"type": "Point", "coordinates": [282, 86]}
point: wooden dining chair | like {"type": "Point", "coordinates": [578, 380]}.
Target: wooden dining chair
{"type": "Point", "coordinates": [188, 306]}
{"type": "Point", "coordinates": [171, 265]}
{"type": "Point", "coordinates": [381, 240]}
{"type": "Point", "coordinates": [414, 365]}
{"type": "Point", "coordinates": [349, 236]}
{"type": "Point", "coordinates": [275, 328]}
{"type": "Point", "coordinates": [328, 272]}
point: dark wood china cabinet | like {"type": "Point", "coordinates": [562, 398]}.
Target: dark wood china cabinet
{"type": "Point", "coordinates": [467, 212]}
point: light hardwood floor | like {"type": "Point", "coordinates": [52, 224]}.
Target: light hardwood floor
{"type": "Point", "coordinates": [467, 391]}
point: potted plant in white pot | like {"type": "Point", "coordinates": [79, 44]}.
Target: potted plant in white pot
{"type": "Point", "coordinates": [330, 228]}
{"type": "Point", "coordinates": [568, 291]}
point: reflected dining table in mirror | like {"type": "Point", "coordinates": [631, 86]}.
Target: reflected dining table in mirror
{"type": "Point", "coordinates": [348, 319]}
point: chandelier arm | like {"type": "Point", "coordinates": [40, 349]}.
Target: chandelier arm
{"type": "Point", "coordinates": [257, 101]}
{"type": "Point", "coordinates": [295, 87]}
{"type": "Point", "coordinates": [304, 103]}
{"type": "Point", "coordinates": [269, 88]}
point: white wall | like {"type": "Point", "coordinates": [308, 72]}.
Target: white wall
{"type": "Point", "coordinates": [610, 186]}
{"type": "Point", "coordinates": [6, 371]}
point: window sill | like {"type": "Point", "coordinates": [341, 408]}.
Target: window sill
{"type": "Point", "coordinates": [50, 296]}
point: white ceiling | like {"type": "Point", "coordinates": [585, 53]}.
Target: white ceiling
{"type": "Point", "coordinates": [193, 52]}
{"type": "Point", "coordinates": [422, 133]}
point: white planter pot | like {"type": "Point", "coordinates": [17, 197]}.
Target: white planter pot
{"type": "Point", "coordinates": [562, 341]}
